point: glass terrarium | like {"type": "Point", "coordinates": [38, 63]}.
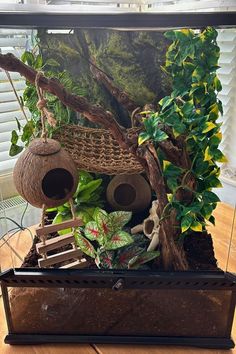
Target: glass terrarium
{"type": "Point", "coordinates": [117, 221]}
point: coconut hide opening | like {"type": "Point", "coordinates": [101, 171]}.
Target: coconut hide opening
{"type": "Point", "coordinates": [125, 194]}
{"type": "Point", "coordinates": [57, 183]}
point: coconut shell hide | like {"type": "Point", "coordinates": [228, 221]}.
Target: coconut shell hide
{"type": "Point", "coordinates": [45, 174]}
{"type": "Point", "coordinates": [129, 192]}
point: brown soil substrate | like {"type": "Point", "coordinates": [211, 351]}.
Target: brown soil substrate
{"type": "Point", "coordinates": [200, 251]}
{"type": "Point", "coordinates": [141, 312]}
{"type": "Point", "coordinates": [198, 247]}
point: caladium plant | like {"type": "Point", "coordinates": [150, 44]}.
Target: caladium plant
{"type": "Point", "coordinates": [107, 238]}
{"type": "Point", "coordinates": [106, 230]}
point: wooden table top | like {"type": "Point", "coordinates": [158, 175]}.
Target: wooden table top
{"type": "Point", "coordinates": [221, 236]}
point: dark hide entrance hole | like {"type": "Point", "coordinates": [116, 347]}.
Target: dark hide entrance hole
{"type": "Point", "coordinates": [57, 183]}
{"type": "Point", "coordinates": [125, 194]}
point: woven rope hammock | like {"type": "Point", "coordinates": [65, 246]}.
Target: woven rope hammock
{"type": "Point", "coordinates": [95, 150]}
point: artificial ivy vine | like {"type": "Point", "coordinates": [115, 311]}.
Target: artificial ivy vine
{"type": "Point", "coordinates": [189, 116]}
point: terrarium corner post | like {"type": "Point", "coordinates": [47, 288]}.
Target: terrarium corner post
{"type": "Point", "coordinates": [172, 254]}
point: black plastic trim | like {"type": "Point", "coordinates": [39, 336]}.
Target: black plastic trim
{"type": "Point", "coordinates": [86, 278]}
{"type": "Point", "coordinates": [124, 20]}
{"type": "Point", "coordinates": [219, 343]}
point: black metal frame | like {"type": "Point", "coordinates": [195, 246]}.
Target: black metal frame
{"type": "Point", "coordinates": [131, 279]}
{"type": "Point", "coordinates": [76, 278]}
{"type": "Point", "coordinates": [109, 279]}
{"type": "Point", "coordinates": [124, 20]}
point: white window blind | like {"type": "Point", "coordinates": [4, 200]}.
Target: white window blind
{"type": "Point", "coordinates": [11, 41]}
{"type": "Point", "coordinates": [227, 75]}
{"type": "Point", "coordinates": [104, 6]}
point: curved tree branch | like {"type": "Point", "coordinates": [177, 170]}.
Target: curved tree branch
{"type": "Point", "coordinates": [80, 104]}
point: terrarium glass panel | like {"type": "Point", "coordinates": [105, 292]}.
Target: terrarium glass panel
{"type": "Point", "coordinates": [144, 119]}
{"type": "Point", "coordinates": [101, 311]}
{"type": "Point", "coordinates": [117, 172]}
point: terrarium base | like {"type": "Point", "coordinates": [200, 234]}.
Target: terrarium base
{"type": "Point", "coordinates": [212, 343]}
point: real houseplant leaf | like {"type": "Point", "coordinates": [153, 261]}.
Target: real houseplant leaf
{"type": "Point", "coordinates": [143, 258]}
{"type": "Point", "coordinates": [118, 240]}
{"type": "Point", "coordinates": [85, 246]}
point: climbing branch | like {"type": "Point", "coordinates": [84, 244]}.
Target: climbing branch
{"type": "Point", "coordinates": [121, 96]}
{"type": "Point", "coordinates": [80, 104]}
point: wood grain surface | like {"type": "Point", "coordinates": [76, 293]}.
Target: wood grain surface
{"type": "Point", "coordinates": [221, 235]}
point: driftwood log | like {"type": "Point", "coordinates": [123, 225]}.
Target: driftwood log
{"type": "Point", "coordinates": [172, 253]}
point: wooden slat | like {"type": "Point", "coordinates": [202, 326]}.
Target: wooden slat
{"type": "Point", "coordinates": [48, 229]}
{"type": "Point", "coordinates": [54, 243]}
{"type": "Point", "coordinates": [77, 264]}
{"type": "Point", "coordinates": [60, 257]}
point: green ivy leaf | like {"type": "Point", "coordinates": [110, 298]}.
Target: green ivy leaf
{"type": "Point", "coordinates": [186, 222]}
{"type": "Point", "coordinates": [172, 183]}
{"type": "Point", "coordinates": [159, 135]}
{"type": "Point", "coordinates": [215, 139]}
{"type": "Point", "coordinates": [210, 197]}
{"type": "Point", "coordinates": [212, 182]}
{"type": "Point", "coordinates": [85, 246]}
{"type": "Point", "coordinates": [219, 156]}
{"type": "Point", "coordinates": [207, 210]}
{"type": "Point", "coordinates": [118, 240]}
{"type": "Point", "coordinates": [15, 149]}
{"type": "Point", "coordinates": [217, 84]}
{"type": "Point", "coordinates": [208, 126]}
{"type": "Point", "coordinates": [143, 136]}
{"type": "Point", "coordinates": [27, 57]}
{"type": "Point", "coordinates": [212, 219]}
{"type": "Point", "coordinates": [165, 102]}
{"type": "Point", "coordinates": [196, 226]}
{"type": "Point", "coordinates": [208, 155]}
{"type": "Point", "coordinates": [171, 170]}
{"type": "Point", "coordinates": [214, 111]}
{"type": "Point", "coordinates": [14, 137]}
{"type": "Point", "coordinates": [188, 108]}
{"type": "Point", "coordinates": [170, 35]}
{"type": "Point", "coordinates": [38, 62]}
{"type": "Point", "coordinates": [18, 124]}
{"type": "Point", "coordinates": [198, 74]}
{"type": "Point", "coordinates": [28, 131]}
{"type": "Point", "coordinates": [201, 166]}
